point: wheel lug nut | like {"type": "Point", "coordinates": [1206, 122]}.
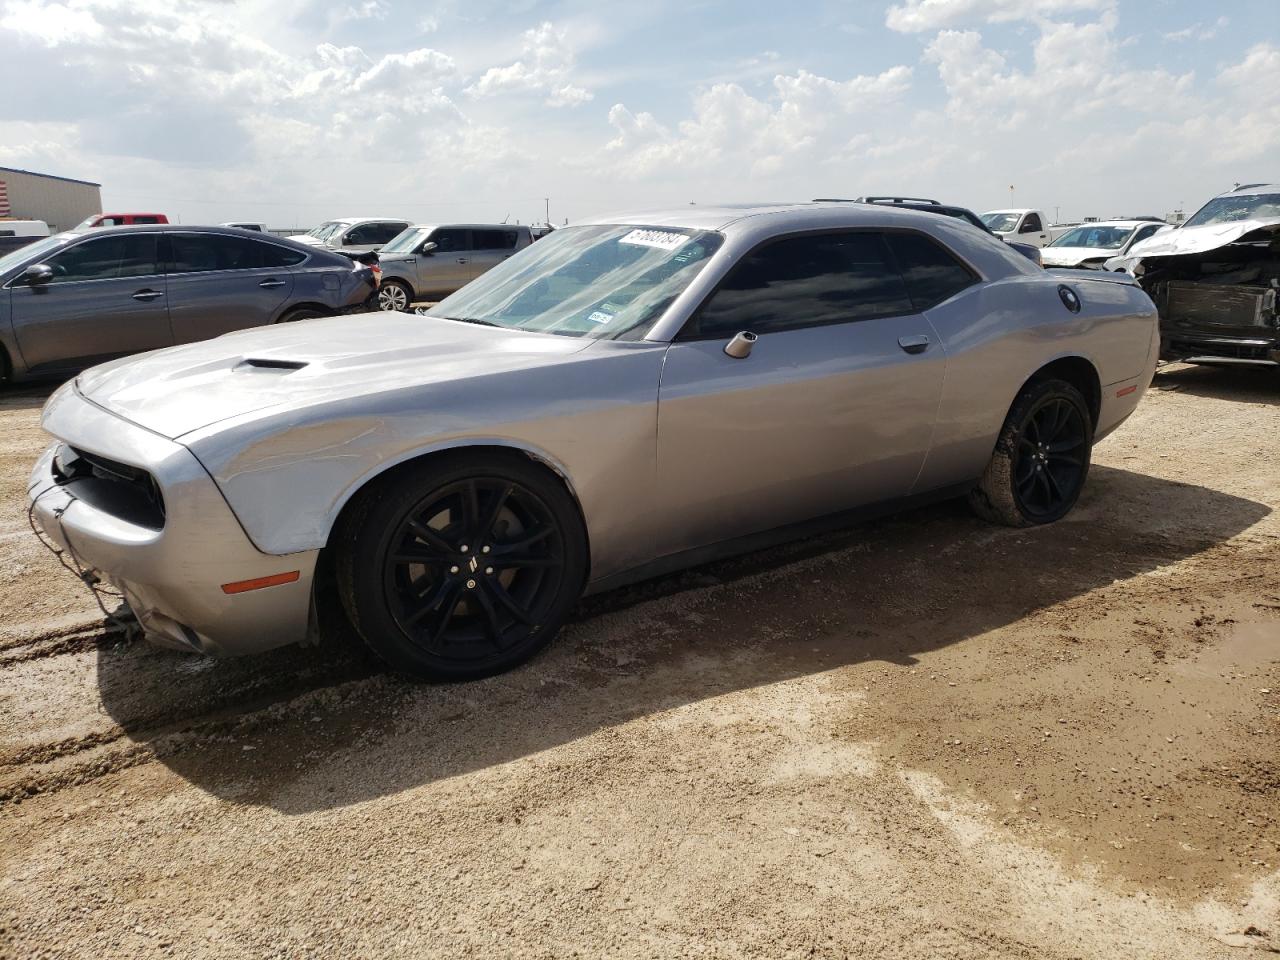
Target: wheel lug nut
{"type": "Point", "coordinates": [488, 571]}
{"type": "Point", "coordinates": [471, 584]}
{"type": "Point", "coordinates": [464, 548]}
{"type": "Point", "coordinates": [486, 548]}
{"type": "Point", "coordinates": [453, 569]}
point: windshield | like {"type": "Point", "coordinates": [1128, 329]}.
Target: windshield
{"type": "Point", "coordinates": [1000, 222]}
{"type": "Point", "coordinates": [323, 230]}
{"type": "Point", "coordinates": [406, 241]}
{"type": "Point", "coordinates": [603, 282]}
{"type": "Point", "coordinates": [31, 252]}
{"type": "Point", "coordinates": [1259, 206]}
{"type": "Point", "coordinates": [1100, 238]}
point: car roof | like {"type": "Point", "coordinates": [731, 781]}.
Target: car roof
{"type": "Point", "coordinates": [778, 216]}
{"type": "Point", "coordinates": [189, 228]}
{"type": "Point", "coordinates": [352, 220]}
{"type": "Point", "coordinates": [470, 226]}
{"type": "Point", "coordinates": [1252, 189]}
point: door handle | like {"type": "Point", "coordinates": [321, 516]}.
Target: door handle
{"type": "Point", "coordinates": [271, 283]}
{"type": "Point", "coordinates": [463, 260]}
{"type": "Point", "coordinates": [918, 343]}
{"type": "Point", "coordinates": [148, 295]}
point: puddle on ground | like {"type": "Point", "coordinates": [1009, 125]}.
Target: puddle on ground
{"type": "Point", "coordinates": [1250, 644]}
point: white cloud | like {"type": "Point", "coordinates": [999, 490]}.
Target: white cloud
{"type": "Point", "coordinates": [544, 68]}
{"type": "Point", "coordinates": [916, 16]}
{"type": "Point", "coordinates": [1198, 31]}
{"type": "Point", "coordinates": [733, 129]}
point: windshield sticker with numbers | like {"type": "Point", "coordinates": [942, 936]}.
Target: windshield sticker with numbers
{"type": "Point", "coordinates": [662, 239]}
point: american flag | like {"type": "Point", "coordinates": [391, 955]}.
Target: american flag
{"type": "Point", "coordinates": [4, 199]}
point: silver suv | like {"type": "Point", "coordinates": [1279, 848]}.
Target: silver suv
{"type": "Point", "coordinates": [429, 261]}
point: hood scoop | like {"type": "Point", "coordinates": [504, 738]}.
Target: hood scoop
{"type": "Point", "coordinates": [269, 363]}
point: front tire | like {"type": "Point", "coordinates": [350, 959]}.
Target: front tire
{"type": "Point", "coordinates": [461, 567]}
{"type": "Point", "coordinates": [1041, 460]}
{"type": "Point", "coordinates": [394, 296]}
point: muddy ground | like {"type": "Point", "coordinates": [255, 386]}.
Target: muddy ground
{"type": "Point", "coordinates": [924, 737]}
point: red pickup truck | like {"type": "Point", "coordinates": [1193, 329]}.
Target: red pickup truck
{"type": "Point", "coordinates": [120, 219]}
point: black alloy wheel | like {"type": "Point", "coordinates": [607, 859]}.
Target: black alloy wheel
{"type": "Point", "coordinates": [469, 578]}
{"type": "Point", "coordinates": [1050, 459]}
{"type": "Point", "coordinates": [1041, 459]}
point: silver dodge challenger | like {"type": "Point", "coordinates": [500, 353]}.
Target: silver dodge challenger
{"type": "Point", "coordinates": [625, 397]}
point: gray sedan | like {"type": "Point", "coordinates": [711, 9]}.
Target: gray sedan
{"type": "Point", "coordinates": [82, 297]}
{"type": "Point", "coordinates": [622, 398]}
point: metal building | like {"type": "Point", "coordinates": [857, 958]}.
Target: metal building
{"type": "Point", "coordinates": [59, 201]}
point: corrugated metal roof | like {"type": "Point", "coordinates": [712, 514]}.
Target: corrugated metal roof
{"type": "Point", "coordinates": [49, 176]}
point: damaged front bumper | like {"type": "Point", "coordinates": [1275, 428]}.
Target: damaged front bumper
{"type": "Point", "coordinates": [173, 563]}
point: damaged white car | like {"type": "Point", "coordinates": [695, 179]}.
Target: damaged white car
{"type": "Point", "coordinates": [1089, 246]}
{"type": "Point", "coordinates": [1216, 279]}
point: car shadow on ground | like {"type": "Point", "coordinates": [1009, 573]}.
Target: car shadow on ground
{"type": "Point", "coordinates": [306, 729]}
{"type": "Point", "coordinates": [1238, 383]}
{"type": "Point", "coordinates": [27, 396]}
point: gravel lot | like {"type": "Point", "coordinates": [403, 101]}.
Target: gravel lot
{"type": "Point", "coordinates": [924, 737]}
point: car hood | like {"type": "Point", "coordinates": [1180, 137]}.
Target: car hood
{"type": "Point", "coordinates": [180, 389]}
{"type": "Point", "coordinates": [1184, 240]}
{"type": "Point", "coordinates": [1070, 256]}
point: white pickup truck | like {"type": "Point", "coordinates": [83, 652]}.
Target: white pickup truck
{"type": "Point", "coordinates": [1022, 226]}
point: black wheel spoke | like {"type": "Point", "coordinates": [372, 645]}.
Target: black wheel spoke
{"type": "Point", "coordinates": [1052, 486]}
{"type": "Point", "coordinates": [437, 596]}
{"type": "Point", "coordinates": [499, 500]}
{"type": "Point", "coordinates": [429, 536]}
{"type": "Point", "coordinates": [471, 509]}
{"type": "Point", "coordinates": [519, 546]}
{"type": "Point", "coordinates": [1062, 446]}
{"type": "Point", "coordinates": [450, 605]}
{"type": "Point", "coordinates": [491, 628]}
{"type": "Point", "coordinates": [516, 563]}
{"type": "Point", "coordinates": [500, 594]}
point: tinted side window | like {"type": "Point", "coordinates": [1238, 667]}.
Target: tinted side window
{"type": "Point", "coordinates": [274, 256]}
{"type": "Point", "coordinates": [201, 252]}
{"type": "Point", "coordinates": [1032, 224]}
{"type": "Point", "coordinates": [451, 239]}
{"type": "Point", "coordinates": [384, 232]}
{"type": "Point", "coordinates": [107, 258]}
{"type": "Point", "coordinates": [804, 282]}
{"type": "Point", "coordinates": [932, 274]}
{"type": "Point", "coordinates": [494, 239]}
{"type": "Point", "coordinates": [146, 219]}
{"type": "Point", "coordinates": [1145, 232]}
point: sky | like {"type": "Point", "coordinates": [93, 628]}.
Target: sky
{"type": "Point", "coordinates": [297, 111]}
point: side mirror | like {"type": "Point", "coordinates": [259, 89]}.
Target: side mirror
{"type": "Point", "coordinates": [38, 274]}
{"type": "Point", "coordinates": [429, 247]}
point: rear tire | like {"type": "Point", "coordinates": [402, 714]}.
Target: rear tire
{"type": "Point", "coordinates": [1041, 459]}
{"type": "Point", "coordinates": [394, 297]}
{"type": "Point", "coordinates": [302, 313]}
{"type": "Point", "coordinates": [462, 566]}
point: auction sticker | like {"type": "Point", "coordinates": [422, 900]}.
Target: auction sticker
{"type": "Point", "coordinates": [662, 239]}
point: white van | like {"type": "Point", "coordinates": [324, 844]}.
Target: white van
{"type": "Point", "coordinates": [18, 233]}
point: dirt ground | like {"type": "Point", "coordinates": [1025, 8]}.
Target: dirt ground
{"type": "Point", "coordinates": [923, 737]}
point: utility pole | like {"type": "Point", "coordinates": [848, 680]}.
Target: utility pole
{"type": "Point", "coordinates": [1011, 194]}
{"type": "Point", "coordinates": [1057, 214]}
{"type": "Point", "coordinates": [547, 201]}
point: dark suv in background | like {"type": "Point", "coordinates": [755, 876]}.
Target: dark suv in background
{"type": "Point", "coordinates": [82, 297]}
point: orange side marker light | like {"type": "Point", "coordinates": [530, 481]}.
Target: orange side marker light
{"type": "Point", "coordinates": [1125, 391]}
{"type": "Point", "coordinates": [244, 586]}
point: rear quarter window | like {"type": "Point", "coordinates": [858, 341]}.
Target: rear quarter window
{"type": "Point", "coordinates": [931, 272]}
